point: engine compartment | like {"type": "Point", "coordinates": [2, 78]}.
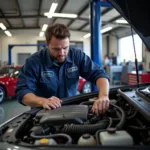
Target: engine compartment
{"type": "Point", "coordinates": [126, 123]}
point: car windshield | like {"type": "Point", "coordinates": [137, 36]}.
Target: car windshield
{"type": "Point", "coordinates": [5, 71]}
{"type": "Point", "coordinates": [15, 72]}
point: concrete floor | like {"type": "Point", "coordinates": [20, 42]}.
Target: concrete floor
{"type": "Point", "coordinates": [10, 108]}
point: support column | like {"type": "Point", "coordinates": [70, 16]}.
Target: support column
{"type": "Point", "coordinates": [96, 38]}
{"type": "Point", "coordinates": [9, 54]}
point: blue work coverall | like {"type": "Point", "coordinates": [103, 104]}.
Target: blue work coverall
{"type": "Point", "coordinates": [43, 77]}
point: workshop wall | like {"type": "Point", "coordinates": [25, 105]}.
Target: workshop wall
{"type": "Point", "coordinates": [146, 56]}
{"type": "Point", "coordinates": [87, 46]}
{"type": "Point", "coordinates": [30, 37]}
{"type": "Point", "coordinates": [113, 45]}
{"type": "Point", "coordinates": [104, 47]}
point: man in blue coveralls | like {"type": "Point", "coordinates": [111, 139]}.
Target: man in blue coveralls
{"type": "Point", "coordinates": [53, 73]}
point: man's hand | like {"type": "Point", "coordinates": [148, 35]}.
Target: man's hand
{"type": "Point", "coordinates": [101, 105]}
{"type": "Point", "coordinates": [52, 103]}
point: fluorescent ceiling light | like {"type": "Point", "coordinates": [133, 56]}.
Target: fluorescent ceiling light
{"type": "Point", "coordinates": [8, 33]}
{"type": "Point", "coordinates": [44, 27]}
{"type": "Point", "coordinates": [41, 34]}
{"type": "Point", "coordinates": [102, 31]}
{"type": "Point", "coordinates": [46, 14]}
{"type": "Point", "coordinates": [121, 21]}
{"type": "Point", "coordinates": [87, 35]}
{"type": "Point", "coordinates": [2, 26]}
{"type": "Point", "coordinates": [65, 15]}
{"type": "Point", "coordinates": [52, 10]}
{"type": "Point", "coordinates": [106, 29]}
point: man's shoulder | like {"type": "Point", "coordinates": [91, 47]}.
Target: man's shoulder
{"type": "Point", "coordinates": [74, 52]}
{"type": "Point", "coordinates": [38, 56]}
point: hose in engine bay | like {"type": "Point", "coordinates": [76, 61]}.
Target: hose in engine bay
{"type": "Point", "coordinates": [87, 128]}
{"type": "Point", "coordinates": [120, 110]}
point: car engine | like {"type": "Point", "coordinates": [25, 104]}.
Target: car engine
{"type": "Point", "coordinates": [126, 123]}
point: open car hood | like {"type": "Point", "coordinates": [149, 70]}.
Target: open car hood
{"type": "Point", "coordinates": [137, 14]}
{"type": "Point", "coordinates": [74, 126]}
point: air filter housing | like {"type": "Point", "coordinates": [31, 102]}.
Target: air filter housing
{"type": "Point", "coordinates": [75, 114]}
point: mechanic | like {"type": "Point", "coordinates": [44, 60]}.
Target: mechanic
{"type": "Point", "coordinates": [53, 73]}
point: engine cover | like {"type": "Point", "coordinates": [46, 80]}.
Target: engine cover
{"type": "Point", "coordinates": [66, 114]}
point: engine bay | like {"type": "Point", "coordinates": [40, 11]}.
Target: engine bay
{"type": "Point", "coordinates": [126, 123]}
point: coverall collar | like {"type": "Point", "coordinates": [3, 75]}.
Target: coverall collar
{"type": "Point", "coordinates": [50, 61]}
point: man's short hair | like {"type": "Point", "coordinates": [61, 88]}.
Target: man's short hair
{"type": "Point", "coordinates": [60, 31]}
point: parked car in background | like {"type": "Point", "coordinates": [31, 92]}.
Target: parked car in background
{"type": "Point", "coordinates": [9, 79]}
{"type": "Point", "coordinates": [6, 70]}
{"type": "Point", "coordinates": [84, 86]}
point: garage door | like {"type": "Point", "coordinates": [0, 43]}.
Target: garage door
{"type": "Point", "coordinates": [22, 58]}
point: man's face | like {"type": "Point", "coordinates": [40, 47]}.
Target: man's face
{"type": "Point", "coordinates": [58, 49]}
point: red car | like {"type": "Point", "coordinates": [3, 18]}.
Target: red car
{"type": "Point", "coordinates": [8, 84]}
{"type": "Point", "coordinates": [8, 81]}
{"type": "Point", "coordinates": [84, 86]}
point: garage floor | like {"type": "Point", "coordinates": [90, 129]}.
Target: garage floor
{"type": "Point", "coordinates": [11, 108]}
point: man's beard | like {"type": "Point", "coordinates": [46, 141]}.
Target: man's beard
{"type": "Point", "coordinates": [59, 59]}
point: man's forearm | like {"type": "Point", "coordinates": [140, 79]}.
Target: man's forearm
{"type": "Point", "coordinates": [103, 86]}
{"type": "Point", "coordinates": [102, 103]}
{"type": "Point", "coordinates": [32, 100]}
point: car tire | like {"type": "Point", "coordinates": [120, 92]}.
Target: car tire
{"type": "Point", "coordinates": [2, 94]}
{"type": "Point", "coordinates": [87, 88]}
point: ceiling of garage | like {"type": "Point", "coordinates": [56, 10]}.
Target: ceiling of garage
{"type": "Point", "coordinates": [29, 14]}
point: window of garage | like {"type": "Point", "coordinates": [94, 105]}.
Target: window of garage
{"type": "Point", "coordinates": [126, 49]}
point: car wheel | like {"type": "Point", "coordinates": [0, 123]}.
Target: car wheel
{"type": "Point", "coordinates": [2, 94]}
{"type": "Point", "coordinates": [86, 87]}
